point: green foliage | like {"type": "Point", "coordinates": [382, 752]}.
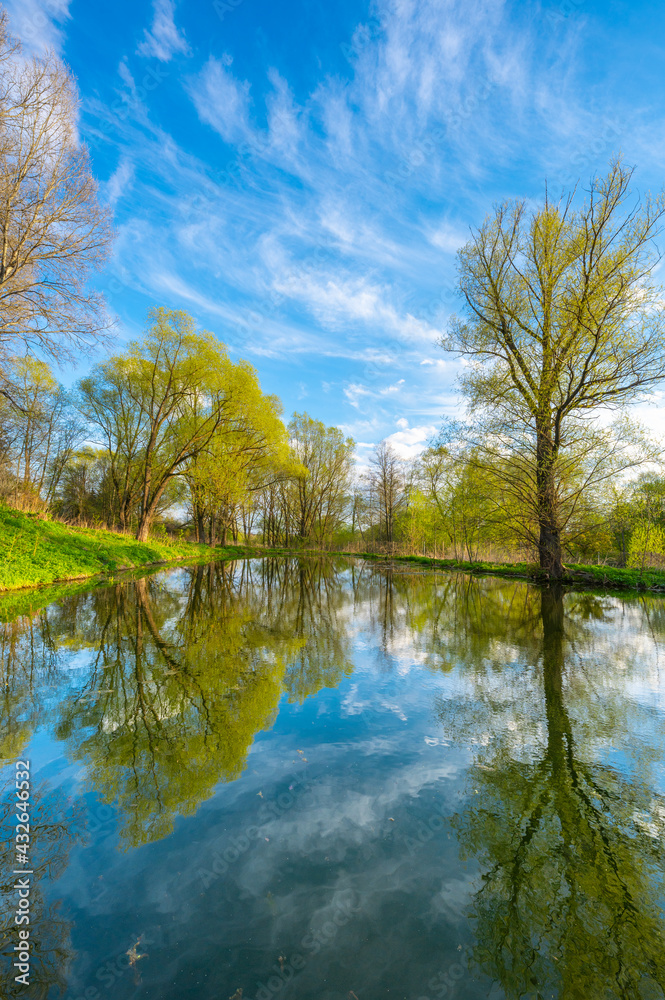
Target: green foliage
{"type": "Point", "coordinates": [562, 317]}
{"type": "Point", "coordinates": [646, 541]}
{"type": "Point", "coordinates": [455, 503]}
{"type": "Point", "coordinates": [187, 670]}
{"type": "Point", "coordinates": [175, 409]}
{"type": "Point", "coordinates": [579, 575]}
{"type": "Point", "coordinates": [241, 461]}
{"type": "Point", "coordinates": [308, 503]}
{"type": "Point", "coordinates": [35, 550]}
{"type": "Point", "coordinates": [38, 433]}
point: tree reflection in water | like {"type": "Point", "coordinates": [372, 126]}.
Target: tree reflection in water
{"type": "Point", "coordinates": [55, 827]}
{"type": "Point", "coordinates": [159, 687]}
{"type": "Point", "coordinates": [571, 846]}
{"type": "Point", "coordinates": [182, 678]}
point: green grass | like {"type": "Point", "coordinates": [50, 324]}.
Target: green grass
{"type": "Point", "coordinates": [615, 576]}
{"type": "Point", "coordinates": [35, 552]}
{"type": "Point", "coordinates": [28, 601]}
{"type": "Point", "coordinates": [576, 574]}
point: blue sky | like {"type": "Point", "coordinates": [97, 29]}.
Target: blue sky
{"type": "Point", "coordinates": [299, 175]}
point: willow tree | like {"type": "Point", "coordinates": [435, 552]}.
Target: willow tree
{"type": "Point", "coordinates": [562, 319]}
{"type": "Point", "coordinates": [106, 400]}
{"type": "Point", "coordinates": [320, 495]}
{"type": "Point", "coordinates": [242, 459]}
{"type": "Point", "coordinates": [181, 392]}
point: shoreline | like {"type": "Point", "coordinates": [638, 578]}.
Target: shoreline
{"type": "Point", "coordinates": [38, 554]}
{"type": "Point", "coordinates": [576, 574]}
{"type": "Point", "coordinates": [107, 576]}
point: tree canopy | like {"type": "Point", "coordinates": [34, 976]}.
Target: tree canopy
{"type": "Point", "coordinates": [53, 230]}
{"type": "Point", "coordinates": [562, 318]}
{"type": "Point", "coordinates": [175, 406]}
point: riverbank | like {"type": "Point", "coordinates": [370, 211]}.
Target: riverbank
{"type": "Point", "coordinates": [613, 577]}
{"type": "Point", "coordinates": [38, 552]}
{"type": "Point", "coordinates": [35, 552]}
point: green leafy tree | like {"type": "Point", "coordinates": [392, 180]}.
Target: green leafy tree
{"type": "Point", "coordinates": [317, 501]}
{"type": "Point", "coordinates": [562, 317]}
{"type": "Point", "coordinates": [41, 430]}
{"type": "Point", "coordinates": [106, 400]}
{"type": "Point", "coordinates": [460, 503]}
{"type": "Point", "coordinates": [237, 463]}
{"type": "Point", "coordinates": [166, 403]}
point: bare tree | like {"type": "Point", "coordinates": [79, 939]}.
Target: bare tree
{"type": "Point", "coordinates": [53, 230]}
{"type": "Point", "coordinates": [387, 488]}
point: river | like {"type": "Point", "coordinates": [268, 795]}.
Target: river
{"type": "Point", "coordinates": [323, 779]}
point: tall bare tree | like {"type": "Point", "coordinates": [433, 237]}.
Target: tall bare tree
{"type": "Point", "coordinates": [387, 488]}
{"type": "Point", "coordinates": [53, 230]}
{"type": "Point", "coordinates": [563, 318]}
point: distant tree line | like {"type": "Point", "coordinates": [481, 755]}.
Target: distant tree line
{"type": "Point", "coordinates": [170, 427]}
{"type": "Point", "coordinates": [172, 434]}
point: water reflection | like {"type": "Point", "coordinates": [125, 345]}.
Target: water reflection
{"type": "Point", "coordinates": [186, 671]}
{"type": "Point", "coordinates": [56, 825]}
{"type": "Point", "coordinates": [157, 689]}
{"type": "Point", "coordinates": [571, 846]}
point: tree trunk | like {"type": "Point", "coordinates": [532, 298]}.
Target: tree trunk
{"type": "Point", "coordinates": [146, 517]}
{"type": "Point", "coordinates": [143, 529]}
{"type": "Point", "coordinates": [199, 518]}
{"type": "Point", "coordinates": [549, 542]}
{"type": "Point", "coordinates": [560, 744]}
{"type": "Point", "coordinates": [123, 515]}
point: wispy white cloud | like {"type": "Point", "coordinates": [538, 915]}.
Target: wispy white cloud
{"type": "Point", "coordinates": [354, 393]}
{"type": "Point", "coordinates": [164, 39]}
{"type": "Point", "coordinates": [285, 126]}
{"type": "Point", "coordinates": [325, 231]}
{"type": "Point", "coordinates": [335, 298]}
{"type": "Point", "coordinates": [448, 238]}
{"type": "Point", "coordinates": [39, 23]}
{"type": "Point", "coordinates": [222, 100]}
{"type": "Point", "coordinates": [390, 389]}
{"type": "Point", "coordinates": [127, 78]}
{"type": "Point", "coordinates": [119, 183]}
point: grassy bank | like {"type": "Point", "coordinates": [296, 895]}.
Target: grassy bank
{"type": "Point", "coordinates": [577, 575]}
{"type": "Point", "coordinates": [34, 552]}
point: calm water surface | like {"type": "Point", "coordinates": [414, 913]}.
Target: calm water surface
{"type": "Point", "coordinates": [330, 781]}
